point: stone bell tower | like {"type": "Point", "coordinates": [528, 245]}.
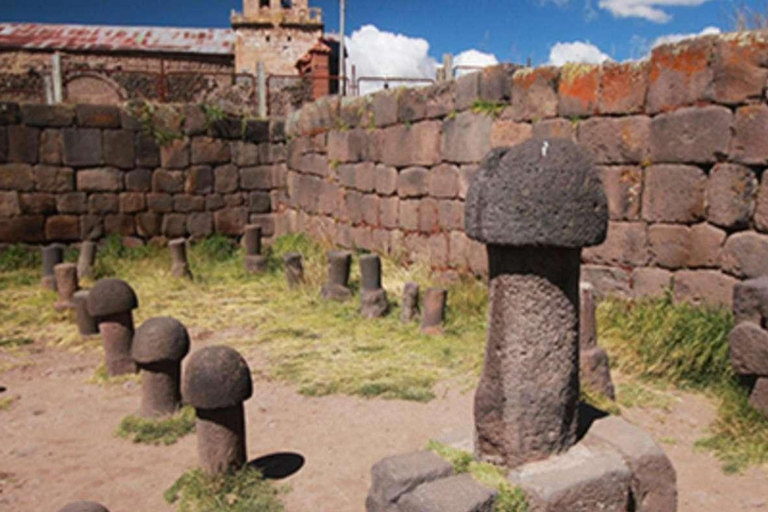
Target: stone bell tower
{"type": "Point", "coordinates": [275, 32]}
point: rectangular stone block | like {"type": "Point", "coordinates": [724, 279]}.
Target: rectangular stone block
{"type": "Point", "coordinates": [82, 147]}
{"type": "Point", "coordinates": [458, 493]}
{"type": "Point", "coordinates": [384, 108]}
{"type": "Point", "coordinates": [62, 228]}
{"type": "Point", "coordinates": [132, 202]}
{"type": "Point", "coordinates": [207, 150]}
{"type": "Point", "coordinates": [451, 215]}
{"type": "Point", "coordinates": [365, 177]}
{"type": "Point", "coordinates": [23, 144]}
{"type": "Point", "coordinates": [413, 182]}
{"type": "Point", "coordinates": [231, 221]}
{"type": "Point", "coordinates": [41, 115]}
{"type": "Point", "coordinates": [428, 216]}
{"type": "Point", "coordinates": [185, 203]}
{"type": "Point", "coordinates": [386, 180]}
{"type": "Point", "coordinates": [9, 204]}
{"type": "Point", "coordinates": [623, 186]}
{"type": "Point", "coordinates": [160, 203]}
{"type": "Point", "coordinates": [578, 90]}
{"type": "Point", "coordinates": [54, 179]}
{"type": "Point", "coordinates": [139, 180]}
{"type": "Point", "coordinates": [706, 245]}
{"type": "Point", "coordinates": [670, 245]}
{"type": "Point", "coordinates": [119, 224]}
{"type": "Point", "coordinates": [200, 224]}
{"type": "Point", "coordinates": [704, 287]}
{"type": "Point", "coordinates": [625, 246]}
{"type": "Point", "coordinates": [750, 301]}
{"type": "Point", "coordinates": [749, 129]}
{"type": "Point", "coordinates": [691, 135]}
{"type": "Point", "coordinates": [680, 74]}
{"type": "Point", "coordinates": [44, 204]}
{"type": "Point", "coordinates": [673, 193]}
{"type": "Point", "coordinates": [408, 219]}
{"type": "Point", "coordinates": [105, 179]}
{"type": "Point", "coordinates": [623, 87]}
{"type": "Point", "coordinates": [174, 225]}
{"type": "Point", "coordinates": [91, 227]}
{"type": "Point", "coordinates": [467, 137]}
{"type": "Point", "coordinates": [744, 255]}
{"type": "Point", "coordinates": [165, 180]}
{"type": "Point", "coordinates": [443, 181]}
{"type": "Point", "coordinates": [556, 129]}
{"type": "Point", "coordinates": [506, 132]}
{"type": "Point", "coordinates": [607, 281]}
{"type": "Point", "coordinates": [389, 209]}
{"type": "Point", "coordinates": [418, 144]}
{"type": "Point", "coordinates": [175, 155]}
{"type": "Point", "coordinates": [16, 177]}
{"type": "Point", "coordinates": [411, 105]}
{"type": "Point", "coordinates": [651, 282]}
{"type": "Point", "coordinates": [51, 147]}
{"type": "Point", "coordinates": [730, 196]}
{"type": "Point", "coordinates": [738, 72]}
{"type": "Point", "coordinates": [103, 203]}
{"type": "Point", "coordinates": [467, 90]}
{"type": "Point", "coordinates": [119, 149]}
{"type": "Point", "coordinates": [226, 179]}
{"type": "Point", "coordinates": [25, 228]}
{"type": "Point", "coordinates": [98, 116]}
{"type": "Point", "coordinates": [623, 140]}
{"type": "Point", "coordinates": [244, 154]}
{"type": "Point", "coordinates": [534, 93]}
{"type": "Point", "coordinates": [72, 202]}
{"type": "Point", "coordinates": [257, 178]}
{"type": "Point", "coordinates": [259, 202]}
{"type": "Point", "coordinates": [147, 151]}
{"type": "Point", "coordinates": [347, 146]}
{"type": "Point", "coordinates": [393, 477]}
{"type": "Point", "coordinates": [441, 99]}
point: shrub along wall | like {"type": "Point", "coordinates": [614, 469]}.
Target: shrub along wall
{"type": "Point", "coordinates": [71, 173]}
{"type": "Point", "coordinates": [681, 141]}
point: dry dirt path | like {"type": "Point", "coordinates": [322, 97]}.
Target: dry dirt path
{"type": "Point", "coordinates": [57, 443]}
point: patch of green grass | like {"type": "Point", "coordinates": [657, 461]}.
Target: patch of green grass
{"type": "Point", "coordinates": [18, 256]}
{"type": "Point", "coordinates": [165, 431]}
{"type": "Point", "coordinates": [490, 108]}
{"type": "Point", "coordinates": [100, 377]}
{"type": "Point", "coordinates": [509, 499]}
{"type": "Point", "coordinates": [15, 342]}
{"type": "Point", "coordinates": [636, 394]}
{"type": "Point", "coordinates": [244, 491]}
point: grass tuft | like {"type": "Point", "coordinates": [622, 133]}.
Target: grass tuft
{"type": "Point", "coordinates": [636, 394]}
{"type": "Point", "coordinates": [165, 431]}
{"type": "Point", "coordinates": [509, 499]}
{"type": "Point", "coordinates": [100, 377]}
{"type": "Point", "coordinates": [244, 491]}
{"type": "Point", "coordinates": [7, 402]}
{"type": "Point", "coordinates": [599, 401]}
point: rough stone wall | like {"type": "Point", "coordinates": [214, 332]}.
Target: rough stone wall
{"type": "Point", "coordinates": [279, 48]}
{"type": "Point", "coordinates": [72, 173]}
{"type": "Point", "coordinates": [681, 141]}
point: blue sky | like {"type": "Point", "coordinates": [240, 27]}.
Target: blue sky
{"type": "Point", "coordinates": [512, 30]}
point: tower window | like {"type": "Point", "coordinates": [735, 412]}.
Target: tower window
{"type": "Point", "coordinates": [263, 3]}
{"type": "Point", "coordinates": [286, 4]}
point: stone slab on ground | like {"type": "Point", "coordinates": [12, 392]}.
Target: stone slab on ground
{"type": "Point", "coordinates": [395, 476]}
{"type": "Point", "coordinates": [459, 493]}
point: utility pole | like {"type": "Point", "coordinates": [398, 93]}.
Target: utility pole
{"type": "Point", "coordinates": [342, 67]}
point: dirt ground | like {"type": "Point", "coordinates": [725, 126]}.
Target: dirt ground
{"type": "Point", "coordinates": [57, 443]}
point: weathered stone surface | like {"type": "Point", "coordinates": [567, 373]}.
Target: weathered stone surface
{"type": "Point", "coordinates": [199, 180]}
{"type": "Point", "coordinates": [415, 145]}
{"type": "Point", "coordinates": [578, 89]}
{"type": "Point", "coordinates": [458, 493]}
{"type": "Point", "coordinates": [569, 211]}
{"type": "Point", "coordinates": [750, 301]}
{"type": "Point", "coordinates": [623, 186]}
{"type": "Point", "coordinates": [744, 255]}
{"type": "Point", "coordinates": [226, 179]}
{"type": "Point", "coordinates": [411, 105]}
{"type": "Point", "coordinates": [738, 74]}
{"type": "Point", "coordinates": [147, 151]}
{"type": "Point", "coordinates": [167, 181]}
{"type": "Point", "coordinates": [23, 144]}
{"type": "Point", "coordinates": [174, 225]}
{"type": "Point", "coordinates": [25, 228]}
{"type": "Point", "coordinates": [200, 224]}
{"type": "Point", "coordinates": [119, 149]}
{"type": "Point", "coordinates": [160, 203]}
{"type": "Point", "coordinates": [673, 193]}
{"type": "Point", "coordinates": [62, 228]}
{"type": "Point", "coordinates": [384, 108]}
{"type": "Point", "coordinates": [651, 282]}
{"type": "Point", "coordinates": [670, 245]}
{"type": "Point", "coordinates": [386, 180]}
{"type": "Point", "coordinates": [206, 150]}
{"type": "Point", "coordinates": [347, 146]}
{"type": "Point", "coordinates": [215, 378]}
{"type": "Point", "coordinates": [590, 476]}
{"type": "Point", "coordinates": [175, 155]}
{"type": "Point", "coordinates": [467, 90]}
{"type": "Point", "coordinates": [731, 194]}
{"type": "Point", "coordinates": [748, 347]}
{"type": "Point", "coordinates": [623, 87]}
{"type": "Point", "coordinates": [506, 132]}
{"type": "Point", "coordinates": [35, 114]}
{"type": "Point", "coordinates": [759, 396]}
{"type": "Point", "coordinates": [258, 178]}
{"type": "Point", "coordinates": [91, 227]}
{"type": "Point", "coordinates": [389, 210]}
{"type": "Point", "coordinates": [259, 202]}
{"type": "Point", "coordinates": [607, 281]}
{"type": "Point", "coordinates": [680, 74]}
{"type": "Point", "coordinates": [256, 130]}
{"type": "Point", "coordinates": [120, 224]}
{"type": "Point", "coordinates": [654, 480]}
{"type": "Point", "coordinates": [393, 477]}
{"type": "Point", "coordinates": [139, 180]}
{"type": "Point", "coordinates": [103, 179]}
{"type": "Point", "coordinates": [554, 129]}
{"type": "Point", "coordinates": [10, 113]}
{"type": "Point", "coordinates": [82, 147]}
{"type": "Point", "coordinates": [496, 82]}
{"type": "Point", "coordinates": [35, 203]}
{"type": "Point", "coordinates": [54, 179]}
{"type": "Point", "coordinates": [617, 140]}
{"type": "Point", "coordinates": [761, 207]}
{"type": "Point", "coordinates": [103, 203]}
{"type": "Point", "coordinates": [244, 154]}
{"type": "Point", "coordinates": [704, 287]}
{"type": "Point", "coordinates": [443, 181]}
{"type": "Point", "coordinates": [534, 93]}
{"type": "Point", "coordinates": [466, 174]}
{"type": "Point", "coordinates": [437, 245]}
{"type": "Point", "coordinates": [9, 204]}
{"type": "Point", "coordinates": [98, 116]}
{"type": "Point", "coordinates": [413, 182]}
{"type": "Point", "coordinates": [186, 203]}
{"type": "Point", "coordinates": [148, 224]}
{"type": "Point", "coordinates": [72, 202]}
{"type": "Point", "coordinates": [450, 215]}
{"type": "Point", "coordinates": [365, 177]}
{"type": "Point", "coordinates": [467, 137]}
{"type": "Point", "coordinates": [749, 139]}
{"type": "Point", "coordinates": [337, 285]}
{"type": "Point", "coordinates": [706, 243]}
{"type": "Point", "coordinates": [691, 135]}
{"type": "Point", "coordinates": [428, 216]}
{"type": "Point", "coordinates": [595, 372]}
{"type": "Point", "coordinates": [231, 221]}
{"type": "Point", "coordinates": [51, 147]}
{"type": "Point", "coordinates": [626, 245]}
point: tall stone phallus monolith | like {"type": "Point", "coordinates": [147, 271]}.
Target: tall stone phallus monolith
{"type": "Point", "coordinates": [255, 262]}
{"type": "Point", "coordinates": [534, 206]}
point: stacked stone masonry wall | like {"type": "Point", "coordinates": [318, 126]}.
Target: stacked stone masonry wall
{"type": "Point", "coordinates": [70, 173]}
{"type": "Point", "coordinates": [681, 141]}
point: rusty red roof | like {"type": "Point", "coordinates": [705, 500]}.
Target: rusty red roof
{"type": "Point", "coordinates": [40, 36]}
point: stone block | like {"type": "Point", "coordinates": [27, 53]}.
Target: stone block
{"type": "Point", "coordinates": [623, 186]}
{"type": "Point", "coordinates": [139, 180]}
{"type": "Point", "coordinates": [443, 181]}
{"type": "Point", "coordinates": [330, 199]}
{"type": "Point", "coordinates": [749, 135]}
{"type": "Point", "coordinates": [17, 177]}
{"type": "Point", "coordinates": [441, 99]}
{"type": "Point", "coordinates": [346, 175]}
{"type": "Point", "coordinates": [206, 150]}
{"type": "Point", "coordinates": [347, 146]}
{"type": "Point", "coordinates": [466, 174]}
{"type": "Point", "coordinates": [353, 207]}
{"type": "Point", "coordinates": [428, 216]}
{"type": "Point", "coordinates": [226, 179]}
{"type": "Point", "coordinates": [10, 113]}
{"type": "Point", "coordinates": [691, 135]}
{"type": "Point", "coordinates": [184, 203]}
{"type": "Point", "coordinates": [706, 244]}
{"type": "Point", "coordinates": [595, 371]}
{"type": "Point", "coordinates": [160, 203]}
{"type": "Point", "coordinates": [578, 90]}
{"type": "Point", "coordinates": [129, 119]}
{"type": "Point", "coordinates": [265, 221]}
{"type": "Point", "coordinates": [389, 211]}
{"type": "Point", "coordinates": [91, 227]}
{"type": "Point", "coordinates": [147, 151]}
{"type": "Point", "coordinates": [393, 477]}
{"type": "Point", "coordinates": [167, 181]}
{"type": "Point", "coordinates": [174, 225]}
{"type": "Point", "coordinates": [704, 287]}
{"type": "Point", "coordinates": [200, 224]}
{"type": "Point", "coordinates": [54, 179]}
{"type": "Point", "coordinates": [132, 202]}
{"type": "Point", "coordinates": [624, 140]}
{"type": "Point", "coordinates": [534, 93]}
{"type": "Point", "coordinates": [62, 228]}
{"type": "Point", "coordinates": [748, 348]}
{"type": "Point", "coordinates": [626, 245]}
{"type": "Point", "coordinates": [651, 282]}
{"type": "Point", "coordinates": [98, 116]}
{"type": "Point", "coordinates": [590, 476]}
{"type": "Point", "coordinates": [386, 181]}
{"type": "Point", "coordinates": [245, 154]}
{"type": "Point", "coordinates": [41, 115]}
{"type": "Point", "coordinates": [411, 105]}
{"type": "Point", "coordinates": [119, 148]}
{"type": "Point", "coordinates": [199, 180]}
{"type": "Point", "coordinates": [730, 196]}
{"type": "Point", "coordinates": [148, 224]}
{"type": "Point", "coordinates": [370, 207]}
{"type": "Point", "coordinates": [496, 82]}
{"type": "Point", "coordinates": [670, 245]}
{"type": "Point", "coordinates": [23, 144]}
{"type": "Point", "coordinates": [103, 203]}
{"type": "Point", "coordinates": [418, 144]}
{"type": "Point", "coordinates": [365, 177]}
{"type": "Point", "coordinates": [82, 147]}
{"type": "Point", "coordinates": [750, 301]}
{"type": "Point", "coordinates": [437, 245]}
{"type": "Point", "coordinates": [408, 218]}
{"type": "Point", "coordinates": [555, 129]}
{"type": "Point", "coordinates": [607, 281]}
{"type": "Point", "coordinates": [51, 147]}
{"type": "Point", "coordinates": [673, 193]}
{"type": "Point", "coordinates": [680, 74]}
{"type": "Point", "coordinates": [458, 493]}
{"type": "Point", "coordinates": [623, 87]}
{"type": "Point", "coordinates": [313, 163]}
{"type": "Point", "coordinates": [9, 204]}
{"type": "Point", "coordinates": [506, 132]}
{"type": "Point", "coordinates": [175, 155]}
{"type": "Point", "coordinates": [195, 120]}
{"type": "Point", "coordinates": [654, 479]}
{"type": "Point", "coordinates": [257, 178]}
{"type": "Point", "coordinates": [3, 144]}
{"type": "Point", "coordinates": [119, 224]}
{"type": "Point", "coordinates": [256, 130]}
{"type": "Point", "coordinates": [450, 215]}
{"type": "Point", "coordinates": [384, 108]}
{"type": "Point", "coordinates": [25, 228]}
{"type": "Point", "coordinates": [761, 206]}
{"type": "Point", "coordinates": [72, 202]}
{"type": "Point", "coordinates": [738, 74]}
{"type": "Point", "coordinates": [413, 182]}
{"type": "Point", "coordinates": [259, 202]}
{"type": "Point", "coordinates": [759, 396]}
{"type": "Point", "coordinates": [236, 199]}
{"type": "Point", "coordinates": [231, 221]}
{"type": "Point", "coordinates": [354, 111]}
{"type": "Point", "coordinates": [467, 90]}
{"type": "Point", "coordinates": [467, 137]}
{"type": "Point", "coordinates": [214, 202]}
{"type": "Point", "coordinates": [744, 255]}
{"type": "Point", "coordinates": [43, 204]}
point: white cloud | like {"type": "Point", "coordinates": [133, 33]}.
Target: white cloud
{"type": "Point", "coordinates": [474, 58]}
{"type": "Point", "coordinates": [675, 38]}
{"type": "Point", "coordinates": [651, 10]}
{"type": "Point", "coordinates": [576, 51]}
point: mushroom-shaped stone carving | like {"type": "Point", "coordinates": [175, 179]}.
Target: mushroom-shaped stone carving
{"type": "Point", "coordinates": [84, 506]}
{"type": "Point", "coordinates": [216, 382]}
{"type": "Point", "coordinates": [535, 206]}
{"type": "Point", "coordinates": [158, 347]}
{"type": "Point", "coordinates": [111, 302]}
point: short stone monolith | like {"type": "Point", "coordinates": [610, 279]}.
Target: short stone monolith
{"type": "Point", "coordinates": [294, 269]}
{"type": "Point", "coordinates": [52, 255]}
{"type": "Point", "coordinates": [373, 298]}
{"type": "Point", "coordinates": [66, 285]}
{"type": "Point", "coordinates": [179, 262]}
{"type": "Point", "coordinates": [410, 308]}
{"type": "Point", "coordinates": [337, 286]}
{"type": "Point", "coordinates": [255, 262]}
{"type": "Point", "coordinates": [86, 259]}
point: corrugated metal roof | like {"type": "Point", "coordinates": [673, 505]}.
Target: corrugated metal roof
{"type": "Point", "coordinates": [115, 38]}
